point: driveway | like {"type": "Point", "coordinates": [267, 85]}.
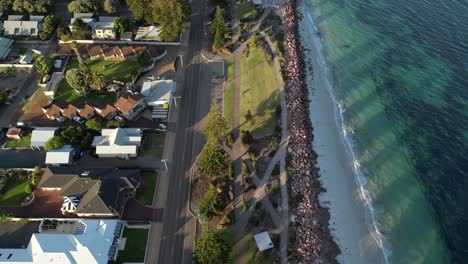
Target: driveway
{"type": "Point", "coordinates": [136, 211]}
{"type": "Point", "coordinates": [45, 204]}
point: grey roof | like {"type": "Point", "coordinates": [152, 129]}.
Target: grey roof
{"type": "Point", "coordinates": [82, 15]}
{"type": "Point", "coordinates": [5, 47]}
{"type": "Point", "coordinates": [36, 18]}
{"type": "Point", "coordinates": [40, 135]}
{"type": "Point", "coordinates": [101, 191]}
{"type": "Point", "coordinates": [159, 90]}
{"type": "Point", "coordinates": [107, 19]}
{"type": "Point", "coordinates": [15, 17]}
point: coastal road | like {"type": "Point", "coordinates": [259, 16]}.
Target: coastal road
{"type": "Point", "coordinates": [172, 240]}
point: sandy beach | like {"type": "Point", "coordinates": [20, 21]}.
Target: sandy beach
{"type": "Point", "coordinates": [350, 222]}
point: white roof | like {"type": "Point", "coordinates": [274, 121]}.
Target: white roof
{"type": "Point", "coordinates": [118, 141]}
{"type": "Point", "coordinates": [101, 25]}
{"type": "Point", "coordinates": [82, 15]}
{"type": "Point", "coordinates": [23, 27]}
{"type": "Point", "coordinates": [158, 92]}
{"type": "Point", "coordinates": [148, 33]}
{"type": "Point", "coordinates": [40, 135]}
{"type": "Point", "coordinates": [92, 246]}
{"type": "Point", "coordinates": [263, 241]}
{"type": "Point", "coordinates": [59, 156]}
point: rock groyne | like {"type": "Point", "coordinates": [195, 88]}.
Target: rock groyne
{"type": "Point", "coordinates": [314, 242]}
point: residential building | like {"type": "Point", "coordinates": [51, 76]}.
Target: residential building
{"type": "Point", "coordinates": [91, 192]}
{"type": "Point", "coordinates": [118, 143]}
{"type": "Point", "coordinates": [158, 95]}
{"type": "Point", "coordinates": [64, 241]}
{"type": "Point", "coordinates": [87, 111]}
{"type": "Point", "coordinates": [61, 156]}
{"type": "Point", "coordinates": [5, 48]}
{"type": "Point", "coordinates": [14, 133]}
{"type": "Point", "coordinates": [131, 106]}
{"type": "Point", "coordinates": [15, 26]}
{"type": "Point", "coordinates": [41, 135]}
{"type": "Point", "coordinates": [109, 112]}
{"type": "Point", "coordinates": [69, 111]}
{"type": "Point", "coordinates": [103, 28]}
{"type": "Point", "coordinates": [151, 33]}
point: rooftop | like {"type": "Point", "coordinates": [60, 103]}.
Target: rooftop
{"type": "Point", "coordinates": [40, 135]}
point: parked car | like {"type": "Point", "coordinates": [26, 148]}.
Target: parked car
{"type": "Point", "coordinates": [8, 101]}
{"type": "Point", "coordinates": [24, 98]}
{"type": "Point", "coordinates": [78, 119]}
{"type": "Point", "coordinates": [119, 118]}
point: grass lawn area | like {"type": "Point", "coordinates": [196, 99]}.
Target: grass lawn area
{"type": "Point", "coordinates": [123, 71]}
{"type": "Point", "coordinates": [246, 11]}
{"type": "Point", "coordinates": [135, 246]}
{"type": "Point", "coordinates": [229, 236]}
{"type": "Point", "coordinates": [259, 93]}
{"type": "Point", "coordinates": [229, 89]}
{"type": "Point", "coordinates": [19, 143]}
{"type": "Point", "coordinates": [67, 94]}
{"type": "Point", "coordinates": [252, 255]}
{"type": "Point", "coordinates": [145, 192]}
{"type": "Point", "coordinates": [153, 145]}
{"type": "Point", "coordinates": [14, 192]}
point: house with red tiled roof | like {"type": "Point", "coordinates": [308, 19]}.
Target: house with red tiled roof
{"type": "Point", "coordinates": [14, 133]}
{"type": "Point", "coordinates": [108, 112]}
{"type": "Point", "coordinates": [95, 52]}
{"type": "Point", "coordinates": [131, 106]}
{"type": "Point", "coordinates": [128, 52]}
{"type": "Point", "coordinates": [87, 111]}
{"type": "Point", "coordinates": [69, 111]}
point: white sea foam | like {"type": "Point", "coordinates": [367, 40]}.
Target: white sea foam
{"type": "Point", "coordinates": [341, 126]}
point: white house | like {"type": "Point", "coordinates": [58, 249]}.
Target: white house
{"type": "Point", "coordinates": [41, 135]}
{"type": "Point", "coordinates": [102, 28]}
{"type": "Point", "coordinates": [150, 33]}
{"type": "Point", "coordinates": [159, 95]}
{"type": "Point", "coordinates": [118, 143]}
{"type": "Point", "coordinates": [69, 241]}
{"type": "Point", "coordinates": [61, 156]}
{"type": "Point", "coordinates": [15, 26]}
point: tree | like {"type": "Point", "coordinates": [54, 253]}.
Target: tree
{"type": "Point", "coordinates": [171, 16]}
{"type": "Point", "coordinates": [247, 137]}
{"type": "Point", "coordinates": [43, 64]}
{"type": "Point", "coordinates": [5, 5]}
{"type": "Point", "coordinates": [213, 161]}
{"type": "Point", "coordinates": [94, 124]}
{"type": "Point", "coordinates": [249, 117]}
{"type": "Point", "coordinates": [84, 6]}
{"type": "Point", "coordinates": [216, 125]}
{"type": "Point", "coordinates": [109, 6]}
{"type": "Point", "coordinates": [48, 26]}
{"type": "Point", "coordinates": [54, 143]}
{"type": "Point", "coordinates": [141, 9]}
{"type": "Point", "coordinates": [210, 248]}
{"type": "Point", "coordinates": [121, 25]}
{"type": "Point", "coordinates": [30, 6]}
{"type": "Point", "coordinates": [76, 80]}
{"type": "Point", "coordinates": [79, 25]}
{"type": "Point", "coordinates": [36, 174]}
{"type": "Point", "coordinates": [72, 134]}
{"type": "Point", "coordinates": [115, 124]}
{"type": "Point", "coordinates": [211, 204]}
{"type": "Point", "coordinates": [95, 81]}
{"type": "Point", "coordinates": [218, 41]}
{"type": "Point", "coordinates": [218, 22]}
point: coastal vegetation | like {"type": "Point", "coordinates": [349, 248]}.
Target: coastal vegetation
{"type": "Point", "coordinates": [210, 248]}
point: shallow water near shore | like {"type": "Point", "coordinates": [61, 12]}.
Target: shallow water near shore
{"type": "Point", "coordinates": [398, 77]}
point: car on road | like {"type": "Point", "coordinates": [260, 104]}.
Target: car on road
{"type": "Point", "coordinates": [119, 118]}
{"type": "Point", "coordinates": [24, 98]}
{"type": "Point", "coordinates": [8, 101]}
{"type": "Point", "coordinates": [79, 119]}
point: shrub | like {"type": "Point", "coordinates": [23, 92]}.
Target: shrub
{"type": "Point", "coordinates": [94, 124]}
{"type": "Point", "coordinates": [54, 143]}
{"type": "Point", "coordinates": [211, 203]}
{"type": "Point", "coordinates": [43, 64]}
{"type": "Point", "coordinates": [247, 137]}
{"type": "Point", "coordinates": [28, 188]}
{"type": "Point", "coordinates": [210, 248]}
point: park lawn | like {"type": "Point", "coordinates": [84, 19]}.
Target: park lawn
{"type": "Point", "coordinates": [124, 71]}
{"type": "Point", "coordinates": [246, 11]}
{"type": "Point", "coordinates": [229, 237]}
{"type": "Point", "coordinates": [14, 192]}
{"type": "Point", "coordinates": [23, 142]}
{"type": "Point", "coordinates": [229, 89]}
{"type": "Point", "coordinates": [259, 93]}
{"type": "Point", "coordinates": [145, 192]}
{"type": "Point", "coordinates": [153, 145]}
{"type": "Point", "coordinates": [135, 247]}
{"type": "Point", "coordinates": [67, 94]}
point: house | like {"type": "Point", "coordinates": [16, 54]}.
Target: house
{"type": "Point", "coordinates": [126, 36]}
{"type": "Point", "coordinates": [131, 106]}
{"type": "Point", "coordinates": [54, 111]}
{"type": "Point", "coordinates": [118, 143]}
{"type": "Point", "coordinates": [151, 33]}
{"type": "Point", "coordinates": [87, 111]}
{"type": "Point", "coordinates": [69, 111]}
{"type": "Point", "coordinates": [14, 133]}
{"type": "Point", "coordinates": [99, 192]}
{"type": "Point", "coordinates": [41, 135]}
{"type": "Point", "coordinates": [109, 112]}
{"type": "Point", "coordinates": [5, 48]}
{"type": "Point", "coordinates": [61, 156]}
{"type": "Point", "coordinates": [104, 28]}
{"type": "Point", "coordinates": [158, 95]}
{"type": "Point", "coordinates": [128, 52]}
{"type": "Point", "coordinates": [15, 26]}
{"type": "Point", "coordinates": [111, 52]}
{"type": "Point", "coordinates": [65, 241]}
{"type": "Point", "coordinates": [95, 52]}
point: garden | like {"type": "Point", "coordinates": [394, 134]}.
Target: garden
{"type": "Point", "coordinates": [145, 192]}
{"type": "Point", "coordinates": [17, 185]}
{"type": "Point", "coordinates": [135, 246]}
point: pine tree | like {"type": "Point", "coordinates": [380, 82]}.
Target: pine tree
{"type": "Point", "coordinates": [211, 203]}
{"type": "Point", "coordinates": [218, 40]}
{"type": "Point", "coordinates": [213, 161]}
{"type": "Point", "coordinates": [210, 248]}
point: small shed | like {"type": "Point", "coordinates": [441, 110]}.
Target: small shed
{"type": "Point", "coordinates": [263, 241]}
{"type": "Point", "coordinates": [14, 133]}
{"type": "Point", "coordinates": [61, 156]}
{"type": "Point", "coordinates": [41, 135]}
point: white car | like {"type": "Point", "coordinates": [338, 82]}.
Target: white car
{"type": "Point", "coordinates": [119, 118]}
{"type": "Point", "coordinates": [78, 119]}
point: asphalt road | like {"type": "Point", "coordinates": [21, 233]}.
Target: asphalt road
{"type": "Point", "coordinates": [172, 240]}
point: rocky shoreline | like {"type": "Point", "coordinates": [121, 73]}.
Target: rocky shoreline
{"type": "Point", "coordinates": [314, 242]}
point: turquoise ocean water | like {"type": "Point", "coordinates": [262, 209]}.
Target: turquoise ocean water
{"type": "Point", "coordinates": [400, 75]}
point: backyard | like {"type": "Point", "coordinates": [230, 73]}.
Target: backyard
{"type": "Point", "coordinates": [135, 246]}
{"type": "Point", "coordinates": [229, 89]}
{"type": "Point", "coordinates": [14, 192]}
{"type": "Point", "coordinates": [67, 94]}
{"type": "Point", "coordinates": [259, 93]}
{"type": "Point", "coordinates": [153, 145]}
{"type": "Point", "coordinates": [145, 192]}
{"type": "Point", "coordinates": [23, 142]}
